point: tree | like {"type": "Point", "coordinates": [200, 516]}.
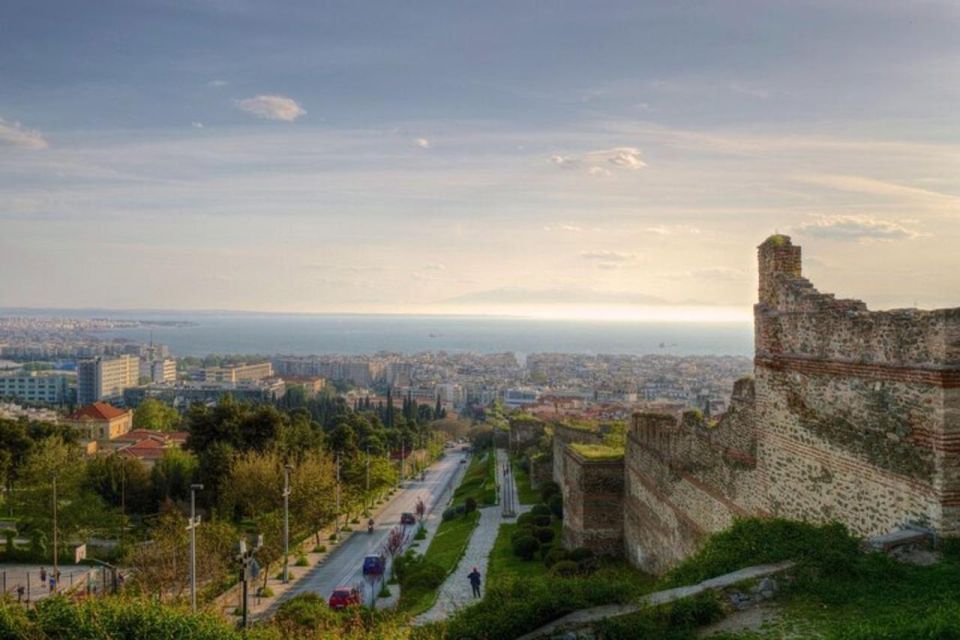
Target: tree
{"type": "Point", "coordinates": [254, 485]}
{"type": "Point", "coordinates": [173, 474]}
{"type": "Point", "coordinates": [395, 542]}
{"type": "Point", "coordinates": [121, 482]}
{"type": "Point", "coordinates": [312, 491]}
{"type": "Point", "coordinates": [155, 415]}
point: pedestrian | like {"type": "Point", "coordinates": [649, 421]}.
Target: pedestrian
{"type": "Point", "coordinates": [475, 582]}
{"type": "Point", "coordinates": [43, 574]}
{"type": "Point", "coordinates": [53, 583]}
{"type": "Point", "coordinates": [20, 591]}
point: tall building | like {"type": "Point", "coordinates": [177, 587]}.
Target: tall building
{"type": "Point", "coordinates": [105, 378]}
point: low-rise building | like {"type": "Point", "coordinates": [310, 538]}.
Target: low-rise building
{"type": "Point", "coordinates": [238, 372]}
{"type": "Point", "coordinates": [183, 393]}
{"type": "Point", "coordinates": [101, 422]}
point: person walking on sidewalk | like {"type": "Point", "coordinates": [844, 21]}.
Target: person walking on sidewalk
{"type": "Point", "coordinates": [474, 577]}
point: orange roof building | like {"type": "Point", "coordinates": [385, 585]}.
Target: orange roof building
{"type": "Point", "coordinates": [101, 421]}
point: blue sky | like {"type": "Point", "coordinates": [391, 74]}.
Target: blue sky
{"type": "Point", "coordinates": [548, 157]}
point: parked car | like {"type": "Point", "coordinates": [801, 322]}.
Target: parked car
{"type": "Point", "coordinates": [343, 597]}
{"type": "Point", "coordinates": [463, 460]}
{"type": "Point", "coordinates": [373, 566]}
{"type": "Point", "coordinates": [408, 518]}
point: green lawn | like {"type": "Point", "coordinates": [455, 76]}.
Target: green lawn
{"type": "Point", "coordinates": [525, 493]}
{"type": "Point", "coordinates": [445, 550]}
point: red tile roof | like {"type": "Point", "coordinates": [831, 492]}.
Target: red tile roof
{"type": "Point", "coordinates": [99, 411]}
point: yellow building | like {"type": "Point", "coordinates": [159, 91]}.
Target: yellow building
{"type": "Point", "coordinates": [101, 421]}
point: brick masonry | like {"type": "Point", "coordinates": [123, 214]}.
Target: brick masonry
{"type": "Point", "coordinates": [593, 503]}
{"type": "Point", "coordinates": [851, 416]}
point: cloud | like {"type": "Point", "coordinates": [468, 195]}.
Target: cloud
{"type": "Point", "coordinates": [15, 135]}
{"type": "Point", "coordinates": [602, 162]}
{"type": "Point", "coordinates": [520, 295]}
{"type": "Point", "coordinates": [718, 274]}
{"type": "Point", "coordinates": [196, 125]}
{"type": "Point", "coordinates": [434, 266]}
{"type": "Point", "coordinates": [423, 143]}
{"type": "Point", "coordinates": [673, 229]}
{"type": "Point", "coordinates": [272, 107]}
{"type": "Point", "coordinates": [607, 256]}
{"type": "Point", "coordinates": [217, 83]}
{"type": "Point", "coordinates": [856, 228]}
{"type": "Point", "coordinates": [571, 228]}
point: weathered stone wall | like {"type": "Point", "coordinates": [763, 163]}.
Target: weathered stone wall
{"type": "Point", "coordinates": [686, 479]}
{"type": "Point", "coordinates": [562, 436]}
{"type": "Point", "coordinates": [525, 432]}
{"type": "Point", "coordinates": [852, 416]}
{"type": "Point", "coordinates": [593, 504]}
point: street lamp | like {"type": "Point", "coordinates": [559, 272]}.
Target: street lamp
{"type": "Point", "coordinates": [192, 527]}
{"type": "Point", "coordinates": [56, 572]}
{"type": "Point", "coordinates": [248, 569]}
{"type": "Point", "coordinates": [286, 522]}
{"type": "Point", "coordinates": [366, 495]}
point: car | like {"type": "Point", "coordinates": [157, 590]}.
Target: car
{"type": "Point", "coordinates": [408, 518]}
{"type": "Point", "coordinates": [463, 461]}
{"type": "Point", "coordinates": [373, 566]}
{"type": "Point", "coordinates": [343, 597]}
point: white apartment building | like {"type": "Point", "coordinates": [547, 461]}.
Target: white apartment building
{"type": "Point", "coordinates": [37, 387]}
{"type": "Point", "coordinates": [159, 370]}
{"type": "Point", "coordinates": [105, 378]}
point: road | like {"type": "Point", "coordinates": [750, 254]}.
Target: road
{"type": "Point", "coordinates": [344, 564]}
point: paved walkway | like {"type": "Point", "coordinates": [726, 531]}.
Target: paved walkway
{"type": "Point", "coordinates": [455, 592]}
{"type": "Point", "coordinates": [586, 616]}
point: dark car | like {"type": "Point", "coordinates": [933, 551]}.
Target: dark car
{"type": "Point", "coordinates": [408, 518]}
{"type": "Point", "coordinates": [343, 597]}
{"type": "Point", "coordinates": [463, 460]}
{"type": "Point", "coordinates": [373, 566]}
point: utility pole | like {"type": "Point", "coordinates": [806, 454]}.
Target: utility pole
{"type": "Point", "coordinates": [403, 458]}
{"type": "Point", "coordinates": [123, 498]}
{"type": "Point", "coordinates": [194, 523]}
{"type": "Point", "coordinates": [366, 496]}
{"type": "Point", "coordinates": [56, 571]}
{"type": "Point", "coordinates": [286, 522]}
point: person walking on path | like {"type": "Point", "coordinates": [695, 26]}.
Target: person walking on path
{"type": "Point", "coordinates": [43, 575]}
{"type": "Point", "coordinates": [474, 577]}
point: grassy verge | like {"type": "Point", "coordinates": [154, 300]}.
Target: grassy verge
{"type": "Point", "coordinates": [444, 552]}
{"type": "Point", "coordinates": [479, 482]}
{"type": "Point", "coordinates": [525, 493]}
{"type": "Point", "coordinates": [505, 565]}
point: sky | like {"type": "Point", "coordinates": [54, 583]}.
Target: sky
{"type": "Point", "coordinates": [599, 159]}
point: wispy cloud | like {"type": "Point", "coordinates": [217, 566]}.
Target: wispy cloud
{"type": "Point", "coordinates": [272, 107]}
{"type": "Point", "coordinates": [607, 256]}
{"type": "Point", "coordinates": [423, 143]}
{"type": "Point", "coordinates": [602, 162]}
{"type": "Point", "coordinates": [856, 228]}
{"type": "Point", "coordinates": [217, 83]}
{"type": "Point", "coordinates": [673, 229]}
{"type": "Point", "coordinates": [15, 135]}
{"type": "Point", "coordinates": [520, 295]}
{"type": "Point", "coordinates": [872, 186]}
{"type": "Point", "coordinates": [570, 228]}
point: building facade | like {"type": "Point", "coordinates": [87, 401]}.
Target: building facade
{"type": "Point", "coordinates": [38, 387]}
{"type": "Point", "coordinates": [238, 372]}
{"type": "Point", "coordinates": [105, 378]}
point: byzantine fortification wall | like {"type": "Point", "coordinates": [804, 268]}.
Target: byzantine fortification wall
{"type": "Point", "coordinates": [852, 415]}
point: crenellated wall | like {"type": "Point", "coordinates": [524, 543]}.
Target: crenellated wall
{"type": "Point", "coordinates": [593, 503]}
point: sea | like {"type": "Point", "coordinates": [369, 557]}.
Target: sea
{"type": "Point", "coordinates": [269, 334]}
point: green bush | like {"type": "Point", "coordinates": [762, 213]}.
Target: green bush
{"type": "Point", "coordinates": [565, 569]}
{"type": "Point", "coordinates": [449, 514]}
{"type": "Point", "coordinates": [470, 504]}
{"type": "Point", "coordinates": [522, 532]}
{"type": "Point", "coordinates": [555, 555]}
{"type": "Point", "coordinates": [266, 592]}
{"type": "Point", "coordinates": [421, 533]}
{"type": "Point", "coordinates": [540, 510]}
{"type": "Point", "coordinates": [302, 562]}
{"type": "Point", "coordinates": [556, 505]}
{"type": "Point", "coordinates": [580, 554]}
{"type": "Point", "coordinates": [526, 547]}
{"type": "Point", "coordinates": [544, 534]}
{"type": "Point", "coordinates": [542, 521]}
{"type": "Point", "coordinates": [525, 518]}
{"type": "Point", "coordinates": [828, 548]}
{"type": "Point", "coordinates": [320, 549]}
{"type": "Point", "coordinates": [307, 610]}
{"type": "Point", "coordinates": [548, 489]}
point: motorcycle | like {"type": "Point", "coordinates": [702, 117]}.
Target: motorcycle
{"type": "Point", "coordinates": [370, 527]}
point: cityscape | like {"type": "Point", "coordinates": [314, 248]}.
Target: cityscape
{"type": "Point", "coordinates": [488, 320]}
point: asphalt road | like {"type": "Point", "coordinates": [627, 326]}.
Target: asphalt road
{"type": "Point", "coordinates": [344, 564]}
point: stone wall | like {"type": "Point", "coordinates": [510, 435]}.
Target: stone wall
{"type": "Point", "coordinates": [562, 436]}
{"type": "Point", "coordinates": [851, 416]}
{"type": "Point", "coordinates": [525, 432]}
{"type": "Point", "coordinates": [592, 504]}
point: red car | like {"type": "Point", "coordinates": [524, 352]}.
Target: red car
{"type": "Point", "coordinates": [343, 597]}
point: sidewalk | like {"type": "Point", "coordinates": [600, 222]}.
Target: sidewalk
{"type": "Point", "coordinates": [455, 592]}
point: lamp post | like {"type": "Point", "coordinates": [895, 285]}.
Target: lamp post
{"type": "Point", "coordinates": [56, 572]}
{"type": "Point", "coordinates": [248, 569]}
{"type": "Point", "coordinates": [336, 526]}
{"type": "Point", "coordinates": [286, 522]}
{"type": "Point", "coordinates": [366, 495]}
{"type": "Point", "coordinates": [194, 523]}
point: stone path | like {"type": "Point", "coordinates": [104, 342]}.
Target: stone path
{"type": "Point", "coordinates": [586, 616]}
{"type": "Point", "coordinates": [455, 592]}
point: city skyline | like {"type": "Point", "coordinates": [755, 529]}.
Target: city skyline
{"type": "Point", "coordinates": [611, 161]}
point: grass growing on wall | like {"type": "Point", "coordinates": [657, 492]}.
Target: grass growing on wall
{"type": "Point", "coordinates": [598, 451]}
